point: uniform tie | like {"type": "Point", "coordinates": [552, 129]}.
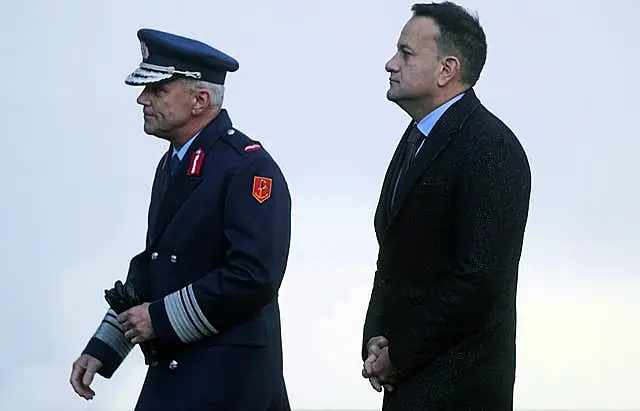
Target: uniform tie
{"type": "Point", "coordinates": [174, 162]}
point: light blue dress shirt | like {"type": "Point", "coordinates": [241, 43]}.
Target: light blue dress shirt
{"type": "Point", "coordinates": [429, 121]}
{"type": "Point", "coordinates": [185, 147]}
{"type": "Point", "coordinates": [425, 126]}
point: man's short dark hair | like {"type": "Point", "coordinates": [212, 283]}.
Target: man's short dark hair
{"type": "Point", "coordinates": [461, 35]}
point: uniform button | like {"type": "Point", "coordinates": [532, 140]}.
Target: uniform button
{"type": "Point", "coordinates": [154, 255]}
{"type": "Point", "coordinates": [174, 258]}
{"type": "Point", "coordinates": [173, 365]}
{"type": "Point", "coordinates": [231, 131]}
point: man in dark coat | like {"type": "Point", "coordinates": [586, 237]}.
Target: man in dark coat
{"type": "Point", "coordinates": [217, 247]}
{"type": "Point", "coordinates": [440, 328]}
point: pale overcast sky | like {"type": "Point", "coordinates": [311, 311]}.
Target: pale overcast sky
{"type": "Point", "coordinates": [77, 171]}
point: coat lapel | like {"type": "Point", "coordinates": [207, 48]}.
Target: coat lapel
{"type": "Point", "coordinates": [434, 144]}
{"type": "Point", "coordinates": [177, 191]}
{"type": "Point", "coordinates": [181, 185]}
{"type": "Point", "coordinates": [382, 210]}
{"type": "Point", "coordinates": [157, 193]}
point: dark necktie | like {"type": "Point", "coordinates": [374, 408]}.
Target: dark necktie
{"type": "Point", "coordinates": [415, 137]}
{"type": "Point", "coordinates": [170, 170]}
{"type": "Point", "coordinates": [174, 162]}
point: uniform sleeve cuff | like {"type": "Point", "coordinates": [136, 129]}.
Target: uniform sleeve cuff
{"type": "Point", "coordinates": [110, 359]}
{"type": "Point", "coordinates": [178, 318]}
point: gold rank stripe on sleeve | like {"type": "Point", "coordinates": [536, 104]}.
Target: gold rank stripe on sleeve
{"type": "Point", "coordinates": [186, 317]}
{"type": "Point", "coordinates": [110, 333]}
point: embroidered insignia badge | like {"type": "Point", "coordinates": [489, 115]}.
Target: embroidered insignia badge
{"type": "Point", "coordinates": [261, 188]}
{"type": "Point", "coordinates": [195, 164]}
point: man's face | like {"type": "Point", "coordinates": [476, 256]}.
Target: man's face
{"type": "Point", "coordinates": [415, 68]}
{"type": "Point", "coordinates": [167, 107]}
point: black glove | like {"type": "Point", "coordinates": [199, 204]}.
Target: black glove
{"type": "Point", "coordinates": [122, 297]}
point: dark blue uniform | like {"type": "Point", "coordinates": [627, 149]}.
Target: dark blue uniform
{"type": "Point", "coordinates": [217, 248]}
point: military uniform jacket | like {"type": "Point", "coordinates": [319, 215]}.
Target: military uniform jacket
{"type": "Point", "coordinates": [445, 286]}
{"type": "Point", "coordinates": [216, 252]}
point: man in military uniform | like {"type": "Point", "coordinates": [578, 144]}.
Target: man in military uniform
{"type": "Point", "coordinates": [206, 285]}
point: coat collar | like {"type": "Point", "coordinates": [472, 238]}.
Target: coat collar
{"type": "Point", "coordinates": [438, 139]}
{"type": "Point", "coordinates": [173, 193]}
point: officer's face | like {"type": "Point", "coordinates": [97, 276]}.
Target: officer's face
{"type": "Point", "coordinates": [167, 108]}
{"type": "Point", "coordinates": [415, 67]}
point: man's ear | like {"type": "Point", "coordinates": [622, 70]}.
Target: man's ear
{"type": "Point", "coordinates": [449, 69]}
{"type": "Point", "coordinates": [202, 101]}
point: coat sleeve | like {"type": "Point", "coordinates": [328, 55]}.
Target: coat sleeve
{"type": "Point", "coordinates": [257, 225]}
{"type": "Point", "coordinates": [108, 343]}
{"type": "Point", "coordinates": [490, 213]}
{"type": "Point", "coordinates": [372, 324]}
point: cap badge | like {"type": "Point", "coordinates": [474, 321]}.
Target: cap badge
{"type": "Point", "coordinates": [144, 49]}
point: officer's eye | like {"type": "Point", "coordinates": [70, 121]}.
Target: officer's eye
{"type": "Point", "coordinates": [157, 89]}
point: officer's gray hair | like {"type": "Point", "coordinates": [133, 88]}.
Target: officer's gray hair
{"type": "Point", "coordinates": [216, 90]}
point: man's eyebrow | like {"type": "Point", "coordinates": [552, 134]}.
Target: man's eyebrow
{"type": "Point", "coordinates": [404, 46]}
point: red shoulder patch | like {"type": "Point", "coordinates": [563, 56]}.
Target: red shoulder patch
{"type": "Point", "coordinates": [261, 188]}
{"type": "Point", "coordinates": [252, 147]}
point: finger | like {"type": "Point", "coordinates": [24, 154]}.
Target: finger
{"type": "Point", "coordinates": [379, 342]}
{"type": "Point", "coordinates": [374, 349]}
{"type": "Point", "coordinates": [371, 358]}
{"type": "Point", "coordinates": [126, 326]}
{"type": "Point", "coordinates": [375, 367]}
{"type": "Point", "coordinates": [76, 375]}
{"type": "Point", "coordinates": [375, 384]}
{"type": "Point", "coordinates": [369, 369]}
{"type": "Point", "coordinates": [366, 373]}
{"type": "Point", "coordinates": [123, 316]}
{"type": "Point", "coordinates": [119, 288]}
{"type": "Point", "coordinates": [87, 378]}
{"type": "Point", "coordinates": [375, 352]}
{"type": "Point", "coordinates": [131, 294]}
{"type": "Point", "coordinates": [130, 334]}
{"type": "Point", "coordinates": [79, 387]}
{"type": "Point", "coordinates": [368, 363]}
{"type": "Point", "coordinates": [138, 339]}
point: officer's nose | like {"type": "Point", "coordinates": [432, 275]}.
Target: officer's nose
{"type": "Point", "coordinates": [143, 98]}
{"type": "Point", "coordinates": [392, 65]}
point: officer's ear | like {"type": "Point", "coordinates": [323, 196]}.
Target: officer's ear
{"type": "Point", "coordinates": [202, 101]}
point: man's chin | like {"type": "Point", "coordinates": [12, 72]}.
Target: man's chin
{"type": "Point", "coordinates": [147, 129]}
{"type": "Point", "coordinates": [155, 133]}
{"type": "Point", "coordinates": [392, 95]}
{"type": "Point", "coordinates": [151, 132]}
